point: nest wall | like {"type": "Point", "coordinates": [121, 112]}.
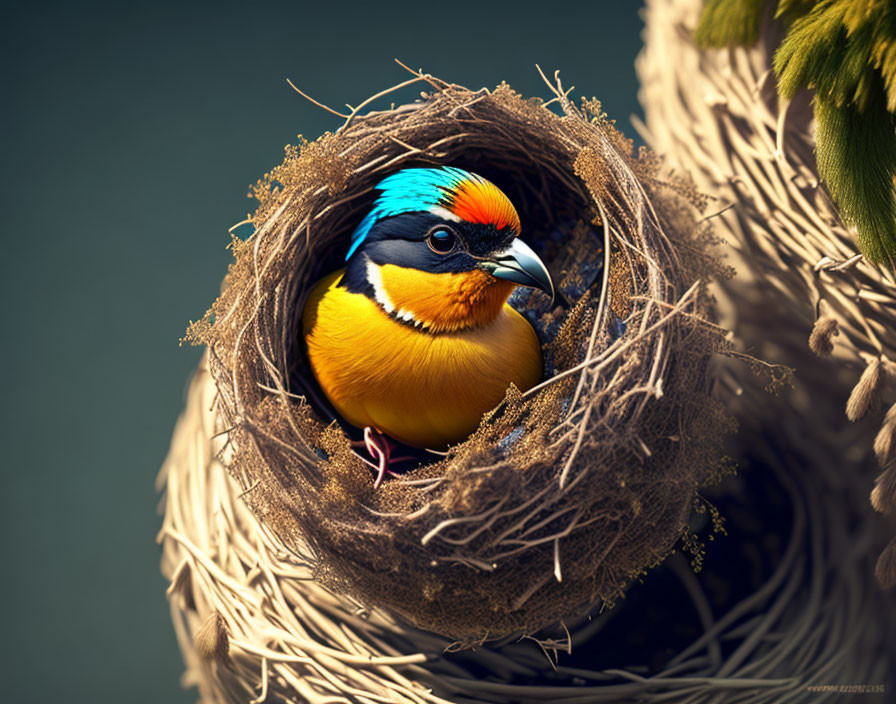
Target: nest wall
{"type": "Point", "coordinates": [566, 492]}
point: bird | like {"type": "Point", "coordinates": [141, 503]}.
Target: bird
{"type": "Point", "coordinates": [413, 339]}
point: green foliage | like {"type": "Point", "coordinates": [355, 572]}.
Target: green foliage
{"type": "Point", "coordinates": [840, 51]}
{"type": "Point", "coordinates": [727, 22]}
{"type": "Point", "coordinates": [856, 153]}
{"type": "Point", "coordinates": [790, 10]}
{"type": "Point", "coordinates": [844, 50]}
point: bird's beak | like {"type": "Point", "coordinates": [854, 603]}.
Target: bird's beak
{"type": "Point", "coordinates": [519, 264]}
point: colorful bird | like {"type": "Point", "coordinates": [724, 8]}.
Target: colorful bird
{"type": "Point", "coordinates": [414, 337]}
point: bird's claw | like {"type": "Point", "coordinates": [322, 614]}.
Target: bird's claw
{"type": "Point", "coordinates": [379, 453]}
{"type": "Point", "coordinates": [380, 447]}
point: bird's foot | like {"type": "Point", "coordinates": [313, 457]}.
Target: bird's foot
{"type": "Point", "coordinates": [382, 449]}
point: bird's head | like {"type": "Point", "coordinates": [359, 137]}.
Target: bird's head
{"type": "Point", "coordinates": [439, 250]}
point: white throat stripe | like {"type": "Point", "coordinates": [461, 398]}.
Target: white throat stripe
{"type": "Point", "coordinates": [379, 291]}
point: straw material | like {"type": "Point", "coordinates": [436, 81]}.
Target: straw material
{"type": "Point", "coordinates": [566, 492]}
{"type": "Point", "coordinates": [789, 608]}
{"type": "Point", "coordinates": [716, 114]}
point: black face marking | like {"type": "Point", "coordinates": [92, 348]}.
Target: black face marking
{"type": "Point", "coordinates": [402, 240]}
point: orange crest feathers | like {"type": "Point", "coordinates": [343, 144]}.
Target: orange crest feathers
{"type": "Point", "coordinates": [479, 201]}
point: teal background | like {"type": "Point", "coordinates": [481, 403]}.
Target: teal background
{"type": "Point", "coordinates": [129, 135]}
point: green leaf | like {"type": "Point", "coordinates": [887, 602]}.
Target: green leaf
{"type": "Point", "coordinates": [790, 10]}
{"type": "Point", "coordinates": [813, 50]}
{"type": "Point", "coordinates": [885, 60]}
{"type": "Point", "coordinates": [856, 152]}
{"type": "Point", "coordinates": [884, 47]}
{"type": "Point", "coordinates": [727, 22]}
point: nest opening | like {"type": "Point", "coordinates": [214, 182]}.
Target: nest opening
{"type": "Point", "coordinates": [548, 207]}
{"type": "Point", "coordinates": [564, 494]}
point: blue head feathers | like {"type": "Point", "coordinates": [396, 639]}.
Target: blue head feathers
{"type": "Point", "coordinates": [410, 191]}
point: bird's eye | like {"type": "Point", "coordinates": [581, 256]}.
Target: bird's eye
{"type": "Point", "coordinates": [442, 240]}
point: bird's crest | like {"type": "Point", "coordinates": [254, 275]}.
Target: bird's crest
{"type": "Point", "coordinates": [447, 191]}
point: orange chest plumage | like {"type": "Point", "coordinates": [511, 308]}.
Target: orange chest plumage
{"type": "Point", "coordinates": [424, 388]}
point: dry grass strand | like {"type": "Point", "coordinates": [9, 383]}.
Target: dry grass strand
{"type": "Point", "coordinates": [866, 393]}
{"type": "Point", "coordinates": [821, 337]}
{"type": "Point", "coordinates": [885, 440]}
{"type": "Point", "coordinates": [885, 569]}
{"type": "Point", "coordinates": [212, 641]}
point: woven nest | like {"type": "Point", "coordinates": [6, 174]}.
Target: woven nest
{"type": "Point", "coordinates": [716, 114]}
{"type": "Point", "coordinates": [788, 610]}
{"type": "Point", "coordinates": [565, 493]}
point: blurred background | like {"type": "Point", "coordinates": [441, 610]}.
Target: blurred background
{"type": "Point", "coordinates": [130, 136]}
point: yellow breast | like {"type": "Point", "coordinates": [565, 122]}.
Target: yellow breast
{"type": "Point", "coordinates": [424, 389]}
